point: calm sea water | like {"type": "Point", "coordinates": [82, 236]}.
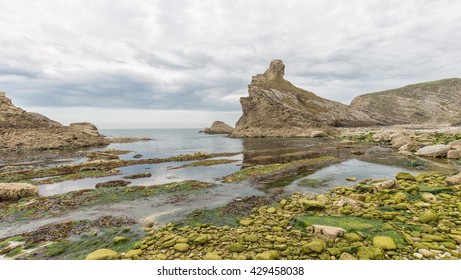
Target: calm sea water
{"type": "Point", "coordinates": [382, 163]}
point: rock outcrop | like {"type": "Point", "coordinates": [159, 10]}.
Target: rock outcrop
{"type": "Point", "coordinates": [425, 103]}
{"type": "Point", "coordinates": [21, 130]}
{"type": "Point", "coordinates": [219, 127]}
{"type": "Point", "coordinates": [277, 108]}
{"type": "Point", "coordinates": [16, 191]}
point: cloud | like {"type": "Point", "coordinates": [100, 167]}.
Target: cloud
{"type": "Point", "coordinates": [199, 55]}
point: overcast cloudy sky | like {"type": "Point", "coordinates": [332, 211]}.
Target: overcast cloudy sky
{"type": "Point", "coordinates": [175, 63]}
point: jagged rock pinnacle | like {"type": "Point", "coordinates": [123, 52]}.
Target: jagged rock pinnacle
{"type": "Point", "coordinates": [275, 72]}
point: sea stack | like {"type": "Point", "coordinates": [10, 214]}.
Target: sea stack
{"type": "Point", "coordinates": [219, 127]}
{"type": "Point", "coordinates": [276, 108]}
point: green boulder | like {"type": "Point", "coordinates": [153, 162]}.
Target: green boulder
{"type": "Point", "coordinates": [428, 216]}
{"type": "Point", "coordinates": [384, 242]}
{"type": "Point", "coordinates": [405, 176]}
{"type": "Point", "coordinates": [103, 254]}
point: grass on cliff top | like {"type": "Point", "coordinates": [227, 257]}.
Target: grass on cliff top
{"type": "Point", "coordinates": [255, 171]}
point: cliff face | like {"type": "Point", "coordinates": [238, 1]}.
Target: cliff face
{"type": "Point", "coordinates": [21, 130]}
{"type": "Point", "coordinates": [432, 102]}
{"type": "Point", "coordinates": [276, 108]}
{"type": "Point", "coordinates": [14, 117]}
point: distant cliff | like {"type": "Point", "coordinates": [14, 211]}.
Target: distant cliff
{"type": "Point", "coordinates": [277, 108]}
{"type": "Point", "coordinates": [21, 130]}
{"type": "Point", "coordinates": [432, 102]}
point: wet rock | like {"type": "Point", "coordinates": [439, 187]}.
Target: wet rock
{"type": "Point", "coordinates": [236, 247]}
{"type": "Point", "coordinates": [133, 253]}
{"type": "Point", "coordinates": [426, 253]}
{"type": "Point", "coordinates": [201, 239]}
{"type": "Point", "coordinates": [370, 253]}
{"type": "Point", "coordinates": [246, 222]}
{"type": "Point", "coordinates": [433, 151]}
{"type": "Point", "coordinates": [405, 176]}
{"type": "Point", "coordinates": [418, 255]}
{"type": "Point", "coordinates": [103, 254]}
{"type": "Point", "coordinates": [312, 205]}
{"type": "Point", "coordinates": [428, 197]}
{"type": "Point", "coordinates": [316, 245]}
{"type": "Point", "coordinates": [212, 256]}
{"type": "Point", "coordinates": [384, 242]}
{"type": "Point", "coordinates": [351, 179]}
{"type": "Point", "coordinates": [251, 238]}
{"type": "Point", "coordinates": [137, 176]}
{"type": "Point", "coordinates": [454, 180]}
{"type": "Point", "coordinates": [383, 185]}
{"type": "Point", "coordinates": [428, 216]}
{"type": "Point", "coordinates": [352, 237]}
{"type": "Point", "coordinates": [181, 247]}
{"type": "Point", "coordinates": [346, 256]}
{"type": "Point", "coordinates": [268, 255]}
{"type": "Point", "coordinates": [16, 191]}
{"type": "Point", "coordinates": [138, 156]}
{"type": "Point", "coordinates": [328, 233]}
{"type": "Point", "coordinates": [119, 239]}
{"type": "Point", "coordinates": [454, 154]}
{"type": "Point", "coordinates": [112, 184]}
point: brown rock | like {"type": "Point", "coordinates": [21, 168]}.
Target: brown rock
{"type": "Point", "coordinates": [454, 154]}
{"type": "Point", "coordinates": [219, 127]}
{"type": "Point", "coordinates": [16, 191]}
{"type": "Point", "coordinates": [454, 180]}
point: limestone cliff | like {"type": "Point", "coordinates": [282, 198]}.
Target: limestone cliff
{"type": "Point", "coordinates": [277, 108]}
{"type": "Point", "coordinates": [21, 130]}
{"type": "Point", "coordinates": [425, 103]}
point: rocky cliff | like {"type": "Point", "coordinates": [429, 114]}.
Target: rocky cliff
{"type": "Point", "coordinates": [219, 127]}
{"type": "Point", "coordinates": [277, 108]}
{"type": "Point", "coordinates": [432, 103]}
{"type": "Point", "coordinates": [21, 130]}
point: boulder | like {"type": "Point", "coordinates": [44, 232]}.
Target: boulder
{"type": "Point", "coordinates": [103, 254]}
{"type": "Point", "coordinates": [433, 151]}
{"type": "Point", "coordinates": [318, 134]}
{"type": "Point", "coordinates": [312, 205]}
{"type": "Point", "coordinates": [428, 216]}
{"type": "Point", "coordinates": [455, 144]}
{"type": "Point", "coordinates": [454, 154]}
{"type": "Point", "coordinates": [384, 185]}
{"type": "Point", "coordinates": [112, 184]}
{"type": "Point", "coordinates": [328, 233]}
{"type": "Point", "coordinates": [219, 127]}
{"type": "Point", "coordinates": [16, 191]}
{"type": "Point", "coordinates": [384, 242]}
{"type": "Point", "coordinates": [405, 176]}
{"type": "Point", "coordinates": [454, 180]}
{"type": "Point", "coordinates": [316, 245]}
{"type": "Point", "coordinates": [268, 255]}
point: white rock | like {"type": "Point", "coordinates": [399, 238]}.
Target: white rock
{"type": "Point", "coordinates": [418, 255]}
{"type": "Point", "coordinates": [433, 151]}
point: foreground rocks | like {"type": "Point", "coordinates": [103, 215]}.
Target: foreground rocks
{"type": "Point", "coordinates": [363, 222]}
{"type": "Point", "coordinates": [21, 130]}
{"type": "Point", "coordinates": [219, 127]}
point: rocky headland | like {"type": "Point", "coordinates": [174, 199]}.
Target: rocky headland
{"type": "Point", "coordinates": [219, 127]}
{"type": "Point", "coordinates": [21, 130]}
{"type": "Point", "coordinates": [276, 108]}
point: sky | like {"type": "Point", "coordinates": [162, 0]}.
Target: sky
{"type": "Point", "coordinates": [186, 63]}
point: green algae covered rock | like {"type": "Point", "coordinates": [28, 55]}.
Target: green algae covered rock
{"type": "Point", "coordinates": [201, 239]}
{"type": "Point", "coordinates": [119, 239]}
{"type": "Point", "coordinates": [268, 255]}
{"type": "Point", "coordinates": [405, 176]}
{"type": "Point", "coordinates": [251, 238]}
{"type": "Point", "coordinates": [428, 216]}
{"type": "Point", "coordinates": [370, 253]}
{"type": "Point", "coordinates": [352, 237]}
{"type": "Point", "coordinates": [236, 247]}
{"type": "Point", "coordinates": [384, 242]}
{"type": "Point", "coordinates": [212, 256]}
{"type": "Point", "coordinates": [103, 254]}
{"type": "Point", "coordinates": [133, 253]}
{"type": "Point", "coordinates": [316, 245]}
{"type": "Point", "coordinates": [246, 222]}
{"type": "Point", "coordinates": [312, 205]}
{"type": "Point", "coordinates": [181, 247]}
{"type": "Point", "coordinates": [347, 257]}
